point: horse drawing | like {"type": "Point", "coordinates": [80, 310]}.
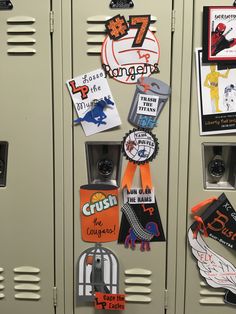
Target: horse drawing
{"type": "Point", "coordinates": [96, 115]}
{"type": "Point", "coordinates": [131, 238]}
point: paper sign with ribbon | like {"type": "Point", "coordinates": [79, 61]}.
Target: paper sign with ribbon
{"type": "Point", "coordinates": [104, 301]}
{"type": "Point", "coordinates": [139, 147]}
{"type": "Point", "coordinates": [149, 99]}
{"type": "Point", "coordinates": [217, 271]}
{"type": "Point", "coordinates": [140, 223]}
{"type": "Point", "coordinates": [217, 221]}
{"type": "Point", "coordinates": [99, 213]}
{"type": "Point", "coordinates": [130, 50]}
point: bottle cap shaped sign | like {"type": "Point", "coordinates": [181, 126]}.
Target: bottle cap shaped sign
{"type": "Point", "coordinates": [148, 101]}
{"type": "Point", "coordinates": [139, 147]}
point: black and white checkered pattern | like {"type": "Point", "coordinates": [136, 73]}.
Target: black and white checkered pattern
{"type": "Point", "coordinates": [138, 229]}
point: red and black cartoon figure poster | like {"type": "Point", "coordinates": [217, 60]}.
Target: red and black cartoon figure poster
{"type": "Point", "coordinates": [219, 34]}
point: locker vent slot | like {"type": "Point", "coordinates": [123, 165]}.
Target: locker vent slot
{"type": "Point", "coordinates": [2, 287]}
{"type": "Point", "coordinates": [20, 19]}
{"type": "Point", "coordinates": [98, 32]}
{"type": "Point", "coordinates": [27, 296]}
{"type": "Point", "coordinates": [21, 50]}
{"type": "Point", "coordinates": [138, 298]}
{"type": "Point", "coordinates": [138, 272]}
{"type": "Point", "coordinates": [21, 31]}
{"type": "Point", "coordinates": [138, 281]}
{"type": "Point", "coordinates": [27, 269]}
{"type": "Point", "coordinates": [213, 292]}
{"type": "Point", "coordinates": [26, 278]}
{"type": "Point", "coordinates": [21, 40]}
{"type": "Point", "coordinates": [27, 287]}
{"type": "Point", "coordinates": [94, 51]}
{"type": "Point", "coordinates": [211, 296]}
{"type": "Point", "coordinates": [212, 301]}
{"type": "Point", "coordinates": [98, 19]}
{"type": "Point", "coordinates": [137, 290]}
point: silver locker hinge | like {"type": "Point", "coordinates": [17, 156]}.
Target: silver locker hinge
{"type": "Point", "coordinates": [166, 299]}
{"type": "Point", "coordinates": [173, 21]}
{"type": "Point", "coordinates": [51, 21]}
{"type": "Point", "coordinates": [55, 296]}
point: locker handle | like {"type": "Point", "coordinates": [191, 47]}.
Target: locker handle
{"type": "Point", "coordinates": [197, 207]}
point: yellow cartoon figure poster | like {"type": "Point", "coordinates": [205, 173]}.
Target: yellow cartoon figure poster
{"type": "Point", "coordinates": [216, 97]}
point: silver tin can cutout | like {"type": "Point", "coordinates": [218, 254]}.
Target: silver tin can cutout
{"type": "Point", "coordinates": [148, 91]}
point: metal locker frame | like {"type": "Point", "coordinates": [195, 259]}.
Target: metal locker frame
{"type": "Point", "coordinates": [64, 188]}
{"type": "Point", "coordinates": [25, 249]}
{"type": "Point", "coordinates": [178, 157]}
{"type": "Point", "coordinates": [188, 174]}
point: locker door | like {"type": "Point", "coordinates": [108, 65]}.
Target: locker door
{"type": "Point", "coordinates": [201, 298]}
{"type": "Point", "coordinates": [85, 17]}
{"type": "Point", "coordinates": [26, 224]}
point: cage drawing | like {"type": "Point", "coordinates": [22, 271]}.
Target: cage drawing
{"type": "Point", "coordinates": [97, 271]}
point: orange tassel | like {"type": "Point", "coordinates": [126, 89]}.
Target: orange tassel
{"type": "Point", "coordinates": [146, 176]}
{"type": "Point", "coordinates": [129, 175]}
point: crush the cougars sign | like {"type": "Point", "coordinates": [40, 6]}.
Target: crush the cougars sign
{"type": "Point", "coordinates": [99, 213]}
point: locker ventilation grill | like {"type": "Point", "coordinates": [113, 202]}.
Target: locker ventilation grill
{"type": "Point", "coordinates": [211, 296]}
{"type": "Point", "coordinates": [2, 287]}
{"type": "Point", "coordinates": [27, 286]}
{"type": "Point", "coordinates": [20, 29]}
{"type": "Point", "coordinates": [97, 32]}
{"type": "Point", "coordinates": [137, 290]}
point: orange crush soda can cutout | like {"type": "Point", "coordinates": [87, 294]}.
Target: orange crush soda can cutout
{"type": "Point", "coordinates": [99, 213]}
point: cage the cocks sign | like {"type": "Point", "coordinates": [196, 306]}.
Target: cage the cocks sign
{"type": "Point", "coordinates": [99, 213]}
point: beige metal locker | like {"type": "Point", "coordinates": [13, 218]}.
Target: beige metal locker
{"type": "Point", "coordinates": [43, 44]}
{"type": "Point", "coordinates": [26, 123]}
{"type": "Point", "coordinates": [195, 296]}
{"type": "Point", "coordinates": [85, 18]}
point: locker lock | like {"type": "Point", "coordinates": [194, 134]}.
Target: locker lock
{"type": "Point", "coordinates": [105, 167]}
{"type": "Point", "coordinates": [216, 166]}
{"type": "Point", "coordinates": [5, 5]}
{"type": "Point", "coordinates": [1, 167]}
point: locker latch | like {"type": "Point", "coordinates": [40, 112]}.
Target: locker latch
{"type": "Point", "coordinates": [117, 4]}
{"type": "Point", "coordinates": [3, 163]}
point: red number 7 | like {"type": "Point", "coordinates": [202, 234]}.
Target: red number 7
{"type": "Point", "coordinates": [141, 22]}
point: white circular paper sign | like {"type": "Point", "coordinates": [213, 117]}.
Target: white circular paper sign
{"type": "Point", "coordinates": [127, 64]}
